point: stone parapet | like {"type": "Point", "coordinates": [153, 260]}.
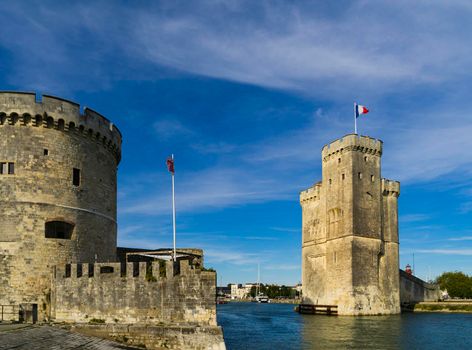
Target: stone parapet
{"type": "Point", "coordinates": [141, 292]}
{"type": "Point", "coordinates": [29, 109]}
{"type": "Point", "coordinates": [158, 336]}
{"type": "Point", "coordinates": [311, 194]}
{"type": "Point", "coordinates": [390, 187]}
{"type": "Point", "coordinates": [352, 142]}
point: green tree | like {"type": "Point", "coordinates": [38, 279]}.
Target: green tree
{"type": "Point", "coordinates": [458, 284]}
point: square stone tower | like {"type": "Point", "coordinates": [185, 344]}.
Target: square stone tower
{"type": "Point", "coordinates": [350, 231]}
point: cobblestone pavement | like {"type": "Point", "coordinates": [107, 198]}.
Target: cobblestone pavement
{"type": "Point", "coordinates": [51, 338]}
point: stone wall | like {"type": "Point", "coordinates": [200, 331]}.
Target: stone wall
{"type": "Point", "coordinates": [45, 138]}
{"type": "Point", "coordinates": [158, 336]}
{"type": "Point", "coordinates": [138, 294]}
{"type": "Point", "coordinates": [414, 290]}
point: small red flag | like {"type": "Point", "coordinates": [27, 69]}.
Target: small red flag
{"type": "Point", "coordinates": [170, 165]}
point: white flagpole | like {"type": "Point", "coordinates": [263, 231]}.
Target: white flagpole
{"type": "Point", "coordinates": [173, 208]}
{"type": "Point", "coordinates": [355, 119]}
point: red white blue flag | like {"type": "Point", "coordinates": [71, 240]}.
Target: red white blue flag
{"type": "Point", "coordinates": [360, 110]}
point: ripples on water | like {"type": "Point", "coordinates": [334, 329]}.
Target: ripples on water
{"type": "Point", "coordinates": [278, 327]}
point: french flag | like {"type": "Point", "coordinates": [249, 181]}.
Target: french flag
{"type": "Point", "coordinates": [360, 110]}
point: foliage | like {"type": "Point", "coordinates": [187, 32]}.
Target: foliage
{"type": "Point", "coordinates": [149, 276]}
{"type": "Point", "coordinates": [162, 268]}
{"type": "Point", "coordinates": [275, 291]}
{"type": "Point", "coordinates": [96, 320]}
{"type": "Point", "coordinates": [446, 307]}
{"type": "Point", "coordinates": [458, 284]}
{"type": "Point", "coordinates": [210, 269]}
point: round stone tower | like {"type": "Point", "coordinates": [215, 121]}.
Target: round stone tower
{"type": "Point", "coordinates": [58, 169]}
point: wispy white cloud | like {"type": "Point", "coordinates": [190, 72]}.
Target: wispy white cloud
{"type": "Point", "coordinates": [424, 151]}
{"type": "Point", "coordinates": [293, 161]}
{"type": "Point", "coordinates": [261, 238]}
{"type": "Point", "coordinates": [124, 231]}
{"type": "Point", "coordinates": [213, 188]}
{"type": "Point", "coordinates": [231, 257]}
{"type": "Point", "coordinates": [286, 229]}
{"type": "Point", "coordinates": [289, 45]}
{"type": "Point", "coordinates": [294, 46]}
{"type": "Point", "coordinates": [446, 251]}
{"type": "Point", "coordinates": [410, 218]}
{"type": "Point", "coordinates": [169, 128]}
{"type": "Point", "coordinates": [465, 238]}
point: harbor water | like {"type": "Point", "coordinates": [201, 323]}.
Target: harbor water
{"type": "Point", "coordinates": [277, 327]}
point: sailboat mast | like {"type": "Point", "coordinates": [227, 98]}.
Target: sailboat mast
{"type": "Point", "coordinates": [258, 279]}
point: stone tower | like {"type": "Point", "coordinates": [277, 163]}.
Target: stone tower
{"type": "Point", "coordinates": [58, 168]}
{"type": "Point", "coordinates": [350, 231]}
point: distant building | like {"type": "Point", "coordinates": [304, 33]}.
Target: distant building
{"type": "Point", "coordinates": [224, 291]}
{"type": "Point", "coordinates": [237, 291]}
{"type": "Point", "coordinates": [298, 288]}
{"type": "Point", "coordinates": [248, 287]}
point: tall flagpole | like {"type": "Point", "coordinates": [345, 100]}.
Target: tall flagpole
{"type": "Point", "coordinates": [355, 119]}
{"type": "Point", "coordinates": [173, 209]}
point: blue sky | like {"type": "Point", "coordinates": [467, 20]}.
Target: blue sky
{"type": "Point", "coordinates": [245, 94]}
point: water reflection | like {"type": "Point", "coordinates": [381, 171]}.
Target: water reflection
{"type": "Point", "coordinates": [278, 327]}
{"type": "Point", "coordinates": [343, 332]}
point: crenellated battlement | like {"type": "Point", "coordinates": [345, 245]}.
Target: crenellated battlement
{"type": "Point", "coordinates": [150, 271]}
{"type": "Point", "coordinates": [352, 142]}
{"type": "Point", "coordinates": [150, 293]}
{"type": "Point", "coordinates": [390, 188]}
{"type": "Point", "coordinates": [29, 109]}
{"type": "Point", "coordinates": [311, 194]}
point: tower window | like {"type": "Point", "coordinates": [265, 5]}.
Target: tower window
{"type": "Point", "coordinates": [372, 178]}
{"type": "Point", "coordinates": [359, 175]}
{"type": "Point", "coordinates": [107, 269]}
{"type": "Point", "coordinates": [330, 181]}
{"type": "Point", "coordinates": [68, 271]}
{"type": "Point", "coordinates": [343, 176]}
{"type": "Point", "coordinates": [365, 159]}
{"type": "Point", "coordinates": [76, 177]}
{"type": "Point", "coordinates": [46, 152]}
{"type": "Point", "coordinates": [339, 160]}
{"type": "Point", "coordinates": [58, 229]}
{"type": "Point", "coordinates": [7, 168]}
